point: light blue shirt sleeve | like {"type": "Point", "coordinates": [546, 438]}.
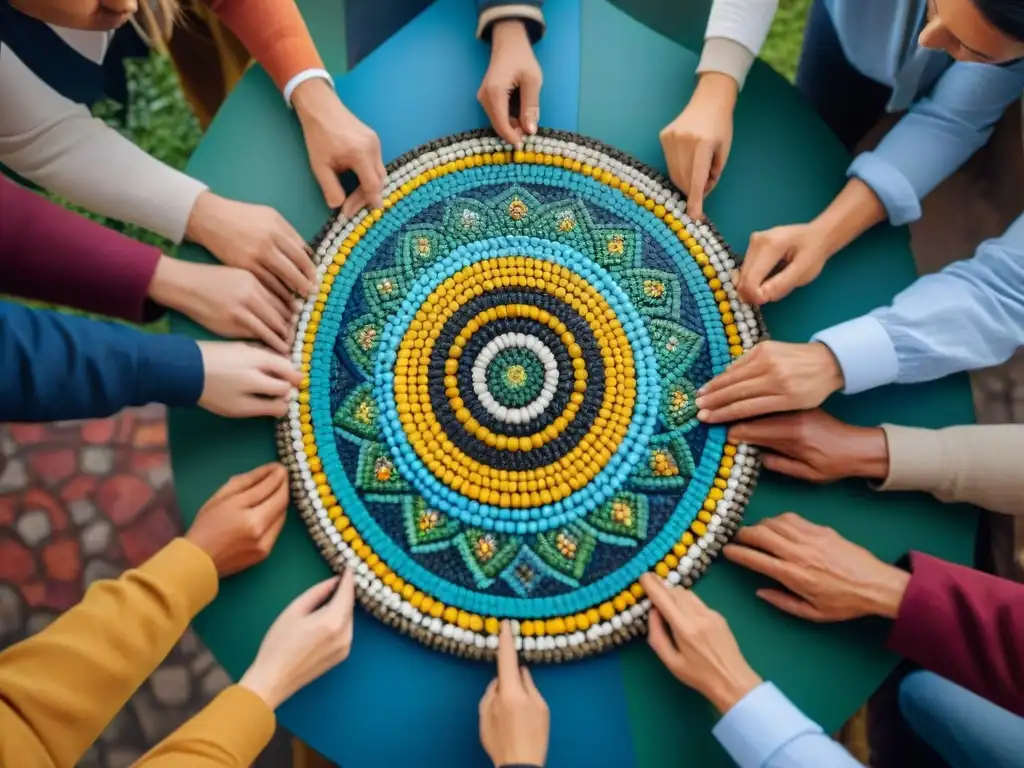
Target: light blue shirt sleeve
{"type": "Point", "coordinates": [939, 133]}
{"type": "Point", "coordinates": [968, 316]}
{"type": "Point", "coordinates": [765, 730]}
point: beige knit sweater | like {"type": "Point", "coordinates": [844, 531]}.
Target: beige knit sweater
{"type": "Point", "coordinates": [979, 464]}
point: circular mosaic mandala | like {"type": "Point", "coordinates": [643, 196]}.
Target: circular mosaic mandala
{"type": "Point", "coordinates": [497, 418]}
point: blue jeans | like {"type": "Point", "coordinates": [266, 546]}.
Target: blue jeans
{"type": "Point", "coordinates": [850, 103]}
{"type": "Point", "coordinates": [966, 730]}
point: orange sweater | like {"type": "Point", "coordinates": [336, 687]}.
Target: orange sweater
{"type": "Point", "coordinates": [274, 34]}
{"type": "Point", "coordinates": [59, 689]}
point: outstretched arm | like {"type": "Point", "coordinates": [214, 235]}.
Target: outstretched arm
{"type": "Point", "coordinates": [59, 689]}
{"type": "Point", "coordinates": [62, 367]}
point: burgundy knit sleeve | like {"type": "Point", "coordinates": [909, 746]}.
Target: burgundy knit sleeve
{"type": "Point", "coordinates": [50, 254]}
{"type": "Point", "coordinates": [966, 626]}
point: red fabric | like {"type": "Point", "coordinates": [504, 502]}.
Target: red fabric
{"type": "Point", "coordinates": [966, 626]}
{"type": "Point", "coordinates": [50, 254]}
{"type": "Point", "coordinates": [274, 34]}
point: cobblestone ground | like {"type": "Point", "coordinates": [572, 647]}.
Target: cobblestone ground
{"type": "Point", "coordinates": [81, 501]}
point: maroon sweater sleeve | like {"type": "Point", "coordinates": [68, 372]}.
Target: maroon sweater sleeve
{"type": "Point", "coordinates": [50, 254]}
{"type": "Point", "coordinates": [965, 625]}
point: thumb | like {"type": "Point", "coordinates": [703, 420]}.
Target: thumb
{"type": "Point", "coordinates": [330, 185]}
{"type": "Point", "coordinates": [529, 103]}
{"type": "Point", "coordinates": [311, 599]}
{"type": "Point", "coordinates": [344, 599]}
{"type": "Point", "coordinates": [762, 257]}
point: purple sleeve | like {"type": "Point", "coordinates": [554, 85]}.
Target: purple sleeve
{"type": "Point", "coordinates": [51, 254]}
{"type": "Point", "coordinates": [966, 626]}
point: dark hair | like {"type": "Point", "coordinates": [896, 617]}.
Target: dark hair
{"type": "Point", "coordinates": [1005, 15]}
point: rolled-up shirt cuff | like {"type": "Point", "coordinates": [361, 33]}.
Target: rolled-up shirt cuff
{"type": "Point", "coordinates": [530, 15]}
{"type": "Point", "coordinates": [897, 194]}
{"type": "Point", "coordinates": [170, 370]}
{"type": "Point", "coordinates": [720, 54]}
{"type": "Point", "coordinates": [916, 458]}
{"type": "Point", "coordinates": [302, 77]}
{"type": "Point", "coordinates": [865, 353]}
{"type": "Point", "coordinates": [759, 725]}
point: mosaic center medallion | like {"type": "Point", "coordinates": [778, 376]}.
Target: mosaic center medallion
{"type": "Point", "coordinates": [497, 418]}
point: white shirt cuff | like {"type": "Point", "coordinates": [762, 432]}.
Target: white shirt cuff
{"type": "Point", "coordinates": [759, 725]}
{"type": "Point", "coordinates": [865, 353]}
{"type": "Point", "coordinates": [299, 79]}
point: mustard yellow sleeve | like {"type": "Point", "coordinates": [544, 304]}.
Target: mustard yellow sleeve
{"type": "Point", "coordinates": [230, 732]}
{"type": "Point", "coordinates": [59, 689]}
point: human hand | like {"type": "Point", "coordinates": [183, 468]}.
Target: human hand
{"type": "Point", "coordinates": [256, 238]}
{"type": "Point", "coordinates": [337, 141]}
{"type": "Point", "coordinates": [242, 380]}
{"type": "Point", "coordinates": [828, 577]}
{"type": "Point", "coordinates": [697, 143]}
{"type": "Point", "coordinates": [310, 637]}
{"type": "Point", "coordinates": [238, 525]}
{"type": "Point", "coordinates": [515, 724]}
{"type": "Point", "coordinates": [513, 66]}
{"type": "Point", "coordinates": [696, 645]}
{"type": "Point", "coordinates": [781, 259]}
{"type": "Point", "coordinates": [773, 376]}
{"type": "Point", "coordinates": [814, 446]}
{"type": "Point", "coordinates": [229, 301]}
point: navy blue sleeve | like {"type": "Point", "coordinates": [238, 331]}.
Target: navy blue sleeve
{"type": "Point", "coordinates": [55, 366]}
{"type": "Point", "coordinates": [528, 11]}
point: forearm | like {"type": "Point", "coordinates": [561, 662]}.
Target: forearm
{"type": "Point", "coordinates": [92, 165]}
{"type": "Point", "coordinates": [937, 135]}
{"type": "Point", "coordinates": [50, 254]}
{"type": "Point", "coordinates": [975, 464]}
{"type": "Point", "coordinates": [274, 32]}
{"type": "Point", "coordinates": [60, 688]}
{"type": "Point", "coordinates": [735, 33]}
{"type": "Point", "coordinates": [966, 626]}
{"type": "Point", "coordinates": [530, 12]}
{"type": "Point", "coordinates": [229, 733]}
{"type": "Point", "coordinates": [968, 316]}
{"type": "Point", "coordinates": [765, 730]}
{"type": "Point", "coordinates": [63, 367]}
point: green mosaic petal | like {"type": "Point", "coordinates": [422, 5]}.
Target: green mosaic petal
{"type": "Point", "coordinates": [487, 553]}
{"type": "Point", "coordinates": [384, 290]}
{"type": "Point", "coordinates": [362, 339]}
{"type": "Point", "coordinates": [668, 467]}
{"type": "Point", "coordinates": [466, 221]}
{"type": "Point", "coordinates": [615, 248]}
{"type": "Point", "coordinates": [567, 549]}
{"type": "Point", "coordinates": [358, 413]}
{"type": "Point", "coordinates": [514, 211]}
{"type": "Point", "coordinates": [675, 346]}
{"type": "Point", "coordinates": [420, 247]}
{"type": "Point", "coordinates": [565, 222]}
{"type": "Point", "coordinates": [678, 400]}
{"type": "Point", "coordinates": [652, 291]}
{"type": "Point", "coordinates": [427, 529]}
{"type": "Point", "coordinates": [376, 471]}
{"type": "Point", "coordinates": [621, 520]}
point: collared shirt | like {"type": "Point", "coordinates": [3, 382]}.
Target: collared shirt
{"type": "Point", "coordinates": [968, 316]}
{"type": "Point", "coordinates": [765, 730]}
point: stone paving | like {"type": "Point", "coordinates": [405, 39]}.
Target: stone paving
{"type": "Point", "coordinates": [81, 501]}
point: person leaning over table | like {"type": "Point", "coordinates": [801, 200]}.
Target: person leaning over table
{"type": "Point", "coordinates": [953, 63]}
{"type": "Point", "coordinates": [48, 253]}
{"type": "Point", "coordinates": [50, 74]}
{"type": "Point", "coordinates": [60, 688]}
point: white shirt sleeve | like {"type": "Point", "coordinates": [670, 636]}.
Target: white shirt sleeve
{"type": "Point", "coordinates": [57, 144]}
{"type": "Point", "coordinates": [734, 36]}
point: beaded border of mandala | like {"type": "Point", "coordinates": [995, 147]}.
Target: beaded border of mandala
{"type": "Point", "coordinates": [399, 604]}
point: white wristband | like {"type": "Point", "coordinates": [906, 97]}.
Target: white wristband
{"type": "Point", "coordinates": [299, 79]}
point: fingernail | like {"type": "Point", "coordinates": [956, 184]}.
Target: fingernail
{"type": "Point", "coordinates": [699, 402]}
{"type": "Point", "coordinates": [702, 390]}
{"type": "Point", "coordinates": [703, 415]}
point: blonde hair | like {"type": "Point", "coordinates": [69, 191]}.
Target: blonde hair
{"type": "Point", "coordinates": [155, 20]}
